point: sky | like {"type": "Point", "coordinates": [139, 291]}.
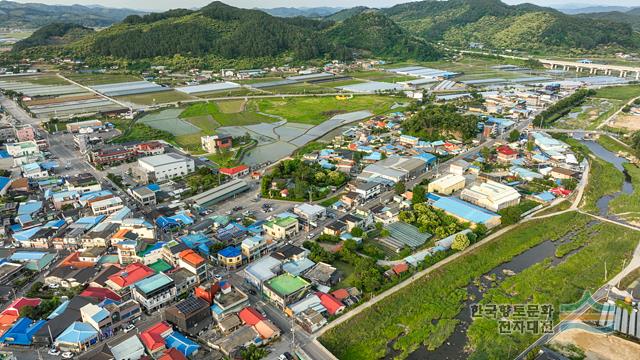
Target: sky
{"type": "Point", "coordinates": [169, 4]}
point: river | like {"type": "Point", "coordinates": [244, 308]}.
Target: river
{"type": "Point", "coordinates": [454, 346]}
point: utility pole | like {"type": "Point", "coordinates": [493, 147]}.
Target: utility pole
{"type": "Point", "coordinates": [293, 336]}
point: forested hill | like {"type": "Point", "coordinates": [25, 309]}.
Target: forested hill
{"type": "Point", "coordinates": [54, 34]}
{"type": "Point", "coordinates": [32, 16]}
{"type": "Point", "coordinates": [498, 25]}
{"type": "Point", "coordinates": [222, 31]}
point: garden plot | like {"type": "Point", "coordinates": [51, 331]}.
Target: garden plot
{"type": "Point", "coordinates": [169, 121]}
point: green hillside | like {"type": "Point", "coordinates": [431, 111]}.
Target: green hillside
{"type": "Point", "coordinates": [53, 35]}
{"type": "Point", "coordinates": [497, 25]}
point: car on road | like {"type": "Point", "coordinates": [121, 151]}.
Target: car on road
{"type": "Point", "coordinates": [310, 236]}
{"type": "Point", "coordinates": [286, 356]}
{"type": "Point", "coordinates": [67, 355]}
{"type": "Point", "coordinates": [53, 352]}
{"type": "Point", "coordinates": [128, 328]}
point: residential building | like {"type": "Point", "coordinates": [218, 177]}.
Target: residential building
{"type": "Point", "coordinates": [184, 279]}
{"type": "Point", "coordinates": [154, 291]}
{"type": "Point", "coordinates": [79, 336]}
{"type": "Point", "coordinates": [195, 263]}
{"type": "Point", "coordinates": [83, 183]}
{"type": "Point", "coordinates": [21, 149]}
{"type": "Point", "coordinates": [491, 195]}
{"type": "Point", "coordinates": [367, 190]}
{"type": "Point", "coordinates": [190, 315]}
{"type": "Point", "coordinates": [282, 227]}
{"type": "Point", "coordinates": [255, 247]}
{"type": "Point", "coordinates": [143, 195]}
{"type": "Point", "coordinates": [107, 206]}
{"type": "Point", "coordinates": [459, 167]}
{"type": "Point", "coordinates": [122, 281]}
{"type": "Point", "coordinates": [506, 154]}
{"type": "Point", "coordinates": [310, 213]}
{"type": "Point", "coordinates": [228, 300]}
{"type": "Point", "coordinates": [164, 167]}
{"type": "Point", "coordinates": [230, 257]}
{"type": "Point", "coordinates": [447, 184]}
{"type": "Point", "coordinates": [150, 148]}
{"type": "Point", "coordinates": [235, 172]}
{"type": "Point", "coordinates": [285, 289]}
{"type": "Point", "coordinates": [561, 173]}
{"type": "Point", "coordinates": [216, 143]}
{"type": "Point", "coordinates": [111, 155]}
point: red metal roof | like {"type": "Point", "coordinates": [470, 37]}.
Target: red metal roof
{"type": "Point", "coordinates": [131, 274]}
{"type": "Point", "coordinates": [332, 304]}
{"type": "Point", "coordinates": [172, 354]}
{"type": "Point", "coordinates": [17, 304]}
{"type": "Point", "coordinates": [100, 293]}
{"type": "Point", "coordinates": [250, 316]}
{"type": "Point", "coordinates": [504, 149]}
{"type": "Point", "coordinates": [400, 268]}
{"type": "Point", "coordinates": [233, 170]}
{"type": "Point", "coordinates": [153, 338]}
{"type": "Point", "coordinates": [340, 294]}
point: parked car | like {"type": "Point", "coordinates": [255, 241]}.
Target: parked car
{"type": "Point", "coordinates": [53, 352]}
{"type": "Point", "coordinates": [128, 328]}
{"type": "Point", "coordinates": [54, 286]}
{"type": "Point", "coordinates": [67, 355]}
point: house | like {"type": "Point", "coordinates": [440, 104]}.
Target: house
{"type": "Point", "coordinates": [561, 173]}
{"type": "Point", "coordinates": [228, 300]}
{"type": "Point", "coordinates": [70, 276]}
{"type": "Point", "coordinates": [282, 227]}
{"type": "Point", "coordinates": [491, 195]}
{"type": "Point", "coordinates": [160, 168]}
{"type": "Point", "coordinates": [230, 257]}
{"type": "Point", "coordinates": [447, 184]}
{"type": "Point", "coordinates": [190, 315]}
{"type": "Point", "coordinates": [78, 337]}
{"type": "Point", "coordinates": [310, 213]}
{"type": "Point", "coordinates": [143, 195]}
{"type": "Point", "coordinates": [122, 281]}
{"type": "Point", "coordinates": [255, 247]}
{"type": "Point", "coordinates": [262, 270]}
{"type": "Point", "coordinates": [106, 206]}
{"type": "Point", "coordinates": [154, 291]}
{"type": "Point", "coordinates": [366, 190]}
{"type": "Point", "coordinates": [111, 155]}
{"type": "Point", "coordinates": [459, 167]}
{"type": "Point", "coordinates": [333, 305]}
{"type": "Point", "coordinates": [153, 338]}
{"type": "Point", "coordinates": [190, 260]}
{"type": "Point", "coordinates": [506, 153]}
{"type": "Point", "coordinates": [285, 289]}
{"type": "Point", "coordinates": [235, 172]}
{"type": "Point", "coordinates": [149, 148]}
{"type": "Point", "coordinates": [335, 228]}
{"type": "Point", "coordinates": [130, 348]}
{"type": "Point", "coordinates": [184, 279]}
{"type": "Point", "coordinates": [216, 143]}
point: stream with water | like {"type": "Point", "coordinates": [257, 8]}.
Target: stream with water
{"type": "Point", "coordinates": [454, 346]}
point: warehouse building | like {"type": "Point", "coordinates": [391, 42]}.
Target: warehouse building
{"type": "Point", "coordinates": [491, 195]}
{"type": "Point", "coordinates": [465, 211]}
{"type": "Point", "coordinates": [394, 169]}
{"type": "Point", "coordinates": [447, 184]}
{"type": "Point", "coordinates": [164, 167]}
{"type": "Point", "coordinates": [220, 193]}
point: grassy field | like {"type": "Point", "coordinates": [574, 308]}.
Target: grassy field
{"type": "Point", "coordinates": [314, 110]}
{"type": "Point", "coordinates": [101, 79]}
{"type": "Point", "coordinates": [231, 106]}
{"type": "Point", "coordinates": [227, 93]}
{"type": "Point", "coordinates": [624, 93]}
{"type": "Point", "coordinates": [591, 114]}
{"type": "Point", "coordinates": [544, 283]}
{"type": "Point", "coordinates": [425, 309]}
{"type": "Point", "coordinates": [604, 179]}
{"type": "Point", "coordinates": [302, 88]}
{"type": "Point", "coordinates": [610, 144]}
{"type": "Point", "coordinates": [161, 97]}
{"type": "Point", "coordinates": [247, 117]}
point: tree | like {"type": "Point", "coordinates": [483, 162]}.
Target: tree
{"type": "Point", "coordinates": [460, 242]}
{"type": "Point", "coordinates": [418, 195]}
{"type": "Point", "coordinates": [514, 135]}
{"type": "Point", "coordinates": [253, 352]}
{"type": "Point", "coordinates": [635, 141]}
{"type": "Point", "coordinates": [485, 152]}
{"type": "Point", "coordinates": [400, 188]}
{"type": "Point", "coordinates": [357, 232]}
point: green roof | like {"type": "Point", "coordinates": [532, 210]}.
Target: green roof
{"type": "Point", "coordinates": [287, 284]}
{"type": "Point", "coordinates": [153, 282]}
{"type": "Point", "coordinates": [160, 266]}
{"type": "Point", "coordinates": [282, 222]}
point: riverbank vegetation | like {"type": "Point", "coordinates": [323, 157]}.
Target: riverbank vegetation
{"type": "Point", "coordinates": [562, 107]}
{"type": "Point", "coordinates": [437, 298]}
{"type": "Point", "coordinates": [544, 283]}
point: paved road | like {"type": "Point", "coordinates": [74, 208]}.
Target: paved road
{"type": "Point", "coordinates": [17, 112]}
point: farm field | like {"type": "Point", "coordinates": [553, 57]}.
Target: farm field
{"type": "Point", "coordinates": [227, 93]}
{"type": "Point", "coordinates": [624, 93]}
{"type": "Point", "coordinates": [162, 97]}
{"type": "Point", "coordinates": [590, 114]}
{"type": "Point", "coordinates": [101, 79]}
{"type": "Point", "coordinates": [302, 88]}
{"type": "Point", "coordinates": [315, 110]}
{"type": "Point", "coordinates": [383, 76]}
{"type": "Point", "coordinates": [169, 120]}
{"type": "Point", "coordinates": [437, 298]}
{"type": "Point", "coordinates": [247, 117]}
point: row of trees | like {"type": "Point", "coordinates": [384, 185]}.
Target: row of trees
{"type": "Point", "coordinates": [562, 107]}
{"type": "Point", "coordinates": [301, 180]}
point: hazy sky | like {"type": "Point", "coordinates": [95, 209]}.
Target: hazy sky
{"type": "Point", "coordinates": [169, 4]}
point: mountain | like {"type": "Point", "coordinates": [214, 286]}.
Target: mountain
{"type": "Point", "coordinates": [54, 34]}
{"type": "Point", "coordinates": [347, 13]}
{"type": "Point", "coordinates": [33, 16]}
{"type": "Point", "coordinates": [379, 35]}
{"type": "Point", "coordinates": [315, 12]}
{"type": "Point", "coordinates": [631, 17]}
{"type": "Point", "coordinates": [592, 9]}
{"type": "Point", "coordinates": [219, 31]}
{"type": "Point", "coordinates": [498, 25]}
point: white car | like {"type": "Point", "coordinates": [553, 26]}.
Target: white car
{"type": "Point", "coordinates": [54, 286]}
{"type": "Point", "coordinates": [53, 352]}
{"type": "Point", "coordinates": [129, 327]}
{"type": "Point", "coordinates": [67, 355]}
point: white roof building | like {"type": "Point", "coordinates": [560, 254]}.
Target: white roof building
{"type": "Point", "coordinates": [491, 195]}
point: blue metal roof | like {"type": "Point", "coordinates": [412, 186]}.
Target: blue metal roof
{"type": "Point", "coordinates": [77, 333]}
{"type": "Point", "coordinates": [4, 181]}
{"type": "Point", "coordinates": [179, 342]}
{"type": "Point", "coordinates": [464, 210]}
{"type": "Point", "coordinates": [21, 333]}
{"type": "Point", "coordinates": [229, 252]}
